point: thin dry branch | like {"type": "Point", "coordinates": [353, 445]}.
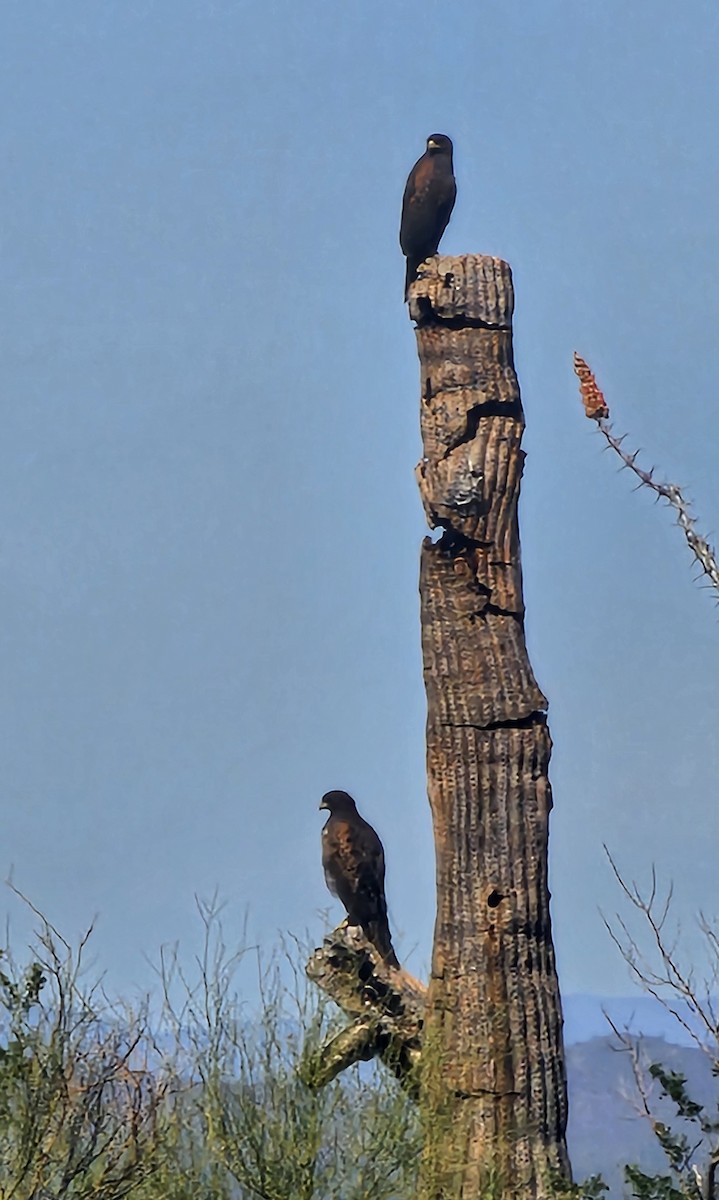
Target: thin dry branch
{"type": "Point", "coordinates": [597, 410]}
{"type": "Point", "coordinates": [668, 982]}
{"type": "Point", "coordinates": [642, 1102]}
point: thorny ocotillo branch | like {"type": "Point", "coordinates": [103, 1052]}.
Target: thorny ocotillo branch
{"type": "Point", "coordinates": [596, 409]}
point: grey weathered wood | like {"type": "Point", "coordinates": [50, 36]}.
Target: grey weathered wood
{"type": "Point", "coordinates": [385, 1007]}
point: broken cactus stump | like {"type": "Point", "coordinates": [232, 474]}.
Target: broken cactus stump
{"type": "Point", "coordinates": [384, 1005]}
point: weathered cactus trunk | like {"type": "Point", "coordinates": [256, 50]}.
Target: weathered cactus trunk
{"type": "Point", "coordinates": [493, 1083]}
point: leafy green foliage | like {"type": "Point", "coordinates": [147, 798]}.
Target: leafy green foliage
{"type": "Point", "coordinates": [673, 1085]}
{"type": "Point", "coordinates": [274, 1136]}
{"type": "Point", "coordinates": [78, 1105]}
{"type": "Point", "coordinates": [654, 1187]}
{"type": "Point", "coordinates": [206, 1101]}
{"type": "Point", "coordinates": [593, 1188]}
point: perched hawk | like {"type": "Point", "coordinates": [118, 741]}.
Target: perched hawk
{"type": "Point", "coordinates": [427, 204]}
{"type": "Point", "coordinates": [353, 861]}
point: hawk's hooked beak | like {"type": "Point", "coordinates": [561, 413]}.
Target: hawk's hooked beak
{"type": "Point", "coordinates": [432, 145]}
{"type": "Point", "coordinates": [323, 804]}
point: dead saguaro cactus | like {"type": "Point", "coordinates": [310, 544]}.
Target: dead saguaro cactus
{"type": "Point", "coordinates": [493, 1084]}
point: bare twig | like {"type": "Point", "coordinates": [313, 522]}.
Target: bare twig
{"type": "Point", "coordinates": [669, 980]}
{"type": "Point", "coordinates": [660, 973]}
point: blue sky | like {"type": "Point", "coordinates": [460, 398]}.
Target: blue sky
{"type": "Point", "coordinates": [209, 526]}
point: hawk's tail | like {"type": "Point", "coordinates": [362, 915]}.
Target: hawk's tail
{"type": "Point", "coordinates": [412, 268]}
{"type": "Point", "coordinates": [377, 932]}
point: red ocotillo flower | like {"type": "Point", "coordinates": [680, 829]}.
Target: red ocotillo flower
{"type": "Point", "coordinates": [595, 406]}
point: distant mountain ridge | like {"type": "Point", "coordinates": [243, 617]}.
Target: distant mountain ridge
{"type": "Point", "coordinates": [584, 1018]}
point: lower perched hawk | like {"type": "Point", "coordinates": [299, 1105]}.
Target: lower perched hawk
{"type": "Point", "coordinates": [353, 861]}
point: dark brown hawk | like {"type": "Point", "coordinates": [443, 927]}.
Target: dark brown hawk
{"type": "Point", "coordinates": [353, 861]}
{"type": "Point", "coordinates": [427, 204]}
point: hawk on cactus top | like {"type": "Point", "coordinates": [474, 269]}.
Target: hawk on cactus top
{"type": "Point", "coordinates": [353, 861]}
{"type": "Point", "coordinates": [427, 204]}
